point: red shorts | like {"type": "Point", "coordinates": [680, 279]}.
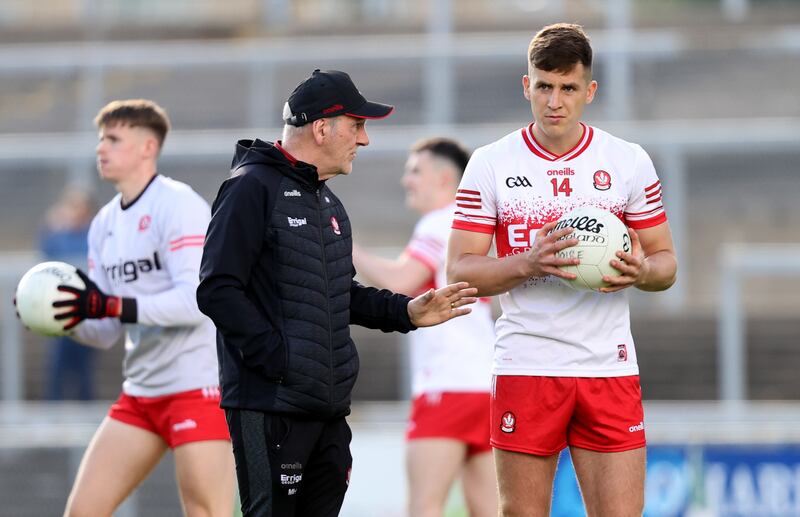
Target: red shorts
{"type": "Point", "coordinates": [462, 416]}
{"type": "Point", "coordinates": [179, 418]}
{"type": "Point", "coordinates": [543, 415]}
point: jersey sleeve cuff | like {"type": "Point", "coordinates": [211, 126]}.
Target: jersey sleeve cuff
{"type": "Point", "coordinates": [472, 227]}
{"type": "Point", "coordinates": [130, 311]}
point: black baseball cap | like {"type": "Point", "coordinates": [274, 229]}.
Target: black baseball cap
{"type": "Point", "coordinates": [329, 93]}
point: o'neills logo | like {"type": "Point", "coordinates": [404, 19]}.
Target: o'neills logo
{"type": "Point", "coordinates": [602, 180]}
{"type": "Point", "coordinates": [584, 223]}
{"type": "Point", "coordinates": [566, 171]}
{"type": "Point", "coordinates": [335, 226]}
{"type": "Point", "coordinates": [508, 422]}
{"type": "Point", "coordinates": [637, 427]}
{"type": "Point", "coordinates": [186, 424]}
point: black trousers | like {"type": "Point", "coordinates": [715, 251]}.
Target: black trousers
{"type": "Point", "coordinates": [288, 467]}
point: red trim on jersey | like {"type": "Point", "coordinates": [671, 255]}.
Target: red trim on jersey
{"type": "Point", "coordinates": [639, 214]}
{"type": "Point", "coordinates": [468, 199]}
{"type": "Point", "coordinates": [472, 227]}
{"type": "Point", "coordinates": [187, 241]}
{"type": "Point", "coordinates": [473, 216]}
{"type": "Point", "coordinates": [653, 193]}
{"type": "Point", "coordinates": [589, 138]}
{"type": "Point", "coordinates": [652, 201]}
{"type": "Point", "coordinates": [422, 259]}
{"type": "Point", "coordinates": [542, 152]}
{"type": "Point", "coordinates": [531, 146]}
{"type": "Point", "coordinates": [186, 237]}
{"type": "Point", "coordinates": [651, 187]}
{"type": "Point", "coordinates": [648, 223]}
{"type": "Point", "coordinates": [187, 245]}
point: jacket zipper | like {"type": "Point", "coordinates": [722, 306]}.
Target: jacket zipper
{"type": "Point", "coordinates": [327, 299]}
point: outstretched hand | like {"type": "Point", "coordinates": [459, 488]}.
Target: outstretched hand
{"type": "Point", "coordinates": [440, 305]}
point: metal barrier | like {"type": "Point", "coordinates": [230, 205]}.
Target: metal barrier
{"type": "Point", "coordinates": [738, 263]}
{"type": "Point", "coordinates": [12, 267]}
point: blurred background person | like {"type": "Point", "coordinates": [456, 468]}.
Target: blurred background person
{"type": "Point", "coordinates": [448, 429]}
{"type": "Point", "coordinates": [145, 246]}
{"type": "Point", "coordinates": [69, 365]}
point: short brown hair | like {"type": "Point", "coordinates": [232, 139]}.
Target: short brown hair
{"type": "Point", "coordinates": [446, 148]}
{"type": "Point", "coordinates": [559, 48]}
{"type": "Point", "coordinates": [135, 113]}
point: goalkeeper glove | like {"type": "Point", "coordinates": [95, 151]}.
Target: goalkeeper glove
{"type": "Point", "coordinates": [92, 303]}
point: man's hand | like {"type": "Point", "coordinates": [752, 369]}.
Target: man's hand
{"type": "Point", "coordinates": [543, 256]}
{"type": "Point", "coordinates": [89, 303]}
{"type": "Point", "coordinates": [632, 266]}
{"type": "Point", "coordinates": [443, 304]}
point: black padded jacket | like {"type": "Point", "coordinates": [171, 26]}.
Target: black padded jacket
{"type": "Point", "coordinates": [277, 280]}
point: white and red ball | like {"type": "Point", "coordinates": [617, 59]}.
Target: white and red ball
{"type": "Point", "coordinates": [38, 289]}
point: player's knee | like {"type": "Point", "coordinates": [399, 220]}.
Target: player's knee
{"type": "Point", "coordinates": [632, 506]}
{"type": "Point", "coordinates": [510, 508]}
{"type": "Point", "coordinates": [426, 510]}
{"type": "Point", "coordinates": [197, 508]}
{"type": "Point", "coordinates": [208, 503]}
{"type": "Point", "coordinates": [79, 508]}
{"type": "Point", "coordinates": [428, 501]}
{"type": "Point", "coordinates": [482, 506]}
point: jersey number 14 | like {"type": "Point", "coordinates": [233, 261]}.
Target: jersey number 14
{"type": "Point", "coordinates": [562, 186]}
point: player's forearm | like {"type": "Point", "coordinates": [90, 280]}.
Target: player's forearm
{"type": "Point", "coordinates": [661, 270]}
{"type": "Point", "coordinates": [102, 334]}
{"type": "Point", "coordinates": [176, 307]}
{"type": "Point", "coordinates": [377, 271]}
{"type": "Point", "coordinates": [489, 275]}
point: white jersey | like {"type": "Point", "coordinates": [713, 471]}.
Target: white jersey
{"type": "Point", "coordinates": [151, 250]}
{"type": "Point", "coordinates": [514, 186]}
{"type": "Point", "coordinates": [457, 355]}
